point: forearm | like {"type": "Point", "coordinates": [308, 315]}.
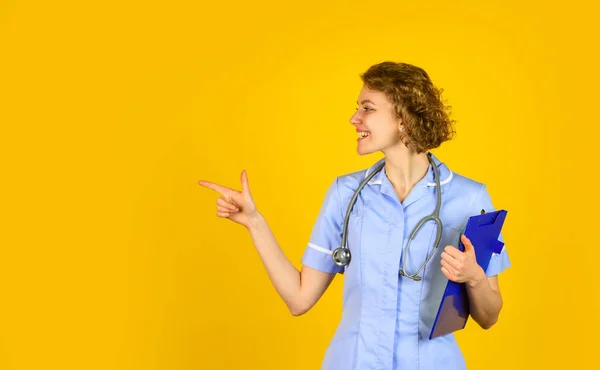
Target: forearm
{"type": "Point", "coordinates": [284, 276]}
{"type": "Point", "coordinates": [485, 302]}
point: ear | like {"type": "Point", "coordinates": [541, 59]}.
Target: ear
{"type": "Point", "coordinates": [400, 126]}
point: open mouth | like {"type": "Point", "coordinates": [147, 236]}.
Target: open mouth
{"type": "Point", "coordinates": [363, 134]}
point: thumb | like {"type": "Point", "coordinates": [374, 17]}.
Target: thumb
{"type": "Point", "coordinates": [467, 243]}
{"type": "Point", "coordinates": [245, 186]}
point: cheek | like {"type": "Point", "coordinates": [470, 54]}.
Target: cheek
{"type": "Point", "coordinates": [383, 130]}
{"type": "Point", "coordinates": [386, 135]}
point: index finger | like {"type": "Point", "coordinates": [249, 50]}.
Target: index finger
{"type": "Point", "coordinates": [453, 251]}
{"type": "Point", "coordinates": [216, 187]}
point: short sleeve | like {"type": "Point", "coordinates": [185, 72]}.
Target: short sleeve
{"type": "Point", "coordinates": [326, 234]}
{"type": "Point", "coordinates": [499, 261]}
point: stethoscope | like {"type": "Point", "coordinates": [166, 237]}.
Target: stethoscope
{"type": "Point", "coordinates": [342, 255]}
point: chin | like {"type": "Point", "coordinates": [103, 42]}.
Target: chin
{"type": "Point", "coordinates": [362, 152]}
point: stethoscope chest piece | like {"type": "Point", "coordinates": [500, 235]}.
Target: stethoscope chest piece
{"type": "Point", "coordinates": [342, 256]}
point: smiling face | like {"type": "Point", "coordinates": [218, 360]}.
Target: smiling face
{"type": "Point", "coordinates": [375, 122]}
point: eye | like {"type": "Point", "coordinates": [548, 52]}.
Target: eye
{"type": "Point", "coordinates": [365, 108]}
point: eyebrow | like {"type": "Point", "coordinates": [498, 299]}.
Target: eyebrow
{"type": "Point", "coordinates": [366, 101]}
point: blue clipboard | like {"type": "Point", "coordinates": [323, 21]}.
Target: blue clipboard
{"type": "Point", "coordinates": [483, 231]}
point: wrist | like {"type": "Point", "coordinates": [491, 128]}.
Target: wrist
{"type": "Point", "coordinates": [254, 221]}
{"type": "Point", "coordinates": [478, 278]}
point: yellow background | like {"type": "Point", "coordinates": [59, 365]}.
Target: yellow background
{"type": "Point", "coordinates": [112, 256]}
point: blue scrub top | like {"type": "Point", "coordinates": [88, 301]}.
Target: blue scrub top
{"type": "Point", "coordinates": [383, 324]}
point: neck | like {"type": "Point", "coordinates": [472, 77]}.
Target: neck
{"type": "Point", "coordinates": [404, 168]}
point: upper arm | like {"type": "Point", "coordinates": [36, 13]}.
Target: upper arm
{"type": "Point", "coordinates": [494, 283]}
{"type": "Point", "coordinates": [326, 234]}
{"type": "Point", "coordinates": [318, 267]}
{"type": "Point", "coordinates": [493, 280]}
{"type": "Point", "coordinates": [313, 283]}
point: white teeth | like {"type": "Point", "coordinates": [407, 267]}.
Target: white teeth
{"type": "Point", "coordinates": [363, 134]}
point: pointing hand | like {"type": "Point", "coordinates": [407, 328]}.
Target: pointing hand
{"type": "Point", "coordinates": [238, 206]}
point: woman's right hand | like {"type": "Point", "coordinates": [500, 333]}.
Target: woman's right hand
{"type": "Point", "coordinates": [237, 206]}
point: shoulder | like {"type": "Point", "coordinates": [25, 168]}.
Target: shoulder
{"type": "Point", "coordinates": [466, 186]}
{"type": "Point", "coordinates": [348, 183]}
{"type": "Point", "coordinates": [343, 187]}
{"type": "Point", "coordinates": [351, 181]}
{"type": "Point", "coordinates": [472, 193]}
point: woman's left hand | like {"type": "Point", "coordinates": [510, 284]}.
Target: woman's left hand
{"type": "Point", "coordinates": [462, 267]}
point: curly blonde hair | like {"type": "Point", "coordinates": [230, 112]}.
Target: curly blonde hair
{"type": "Point", "coordinates": [417, 102]}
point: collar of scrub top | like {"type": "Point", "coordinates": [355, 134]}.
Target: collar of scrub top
{"type": "Point", "coordinates": [420, 189]}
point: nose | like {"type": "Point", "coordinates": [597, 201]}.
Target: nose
{"type": "Point", "coordinates": [355, 119]}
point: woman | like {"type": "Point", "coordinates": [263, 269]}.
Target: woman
{"type": "Point", "coordinates": [386, 288]}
